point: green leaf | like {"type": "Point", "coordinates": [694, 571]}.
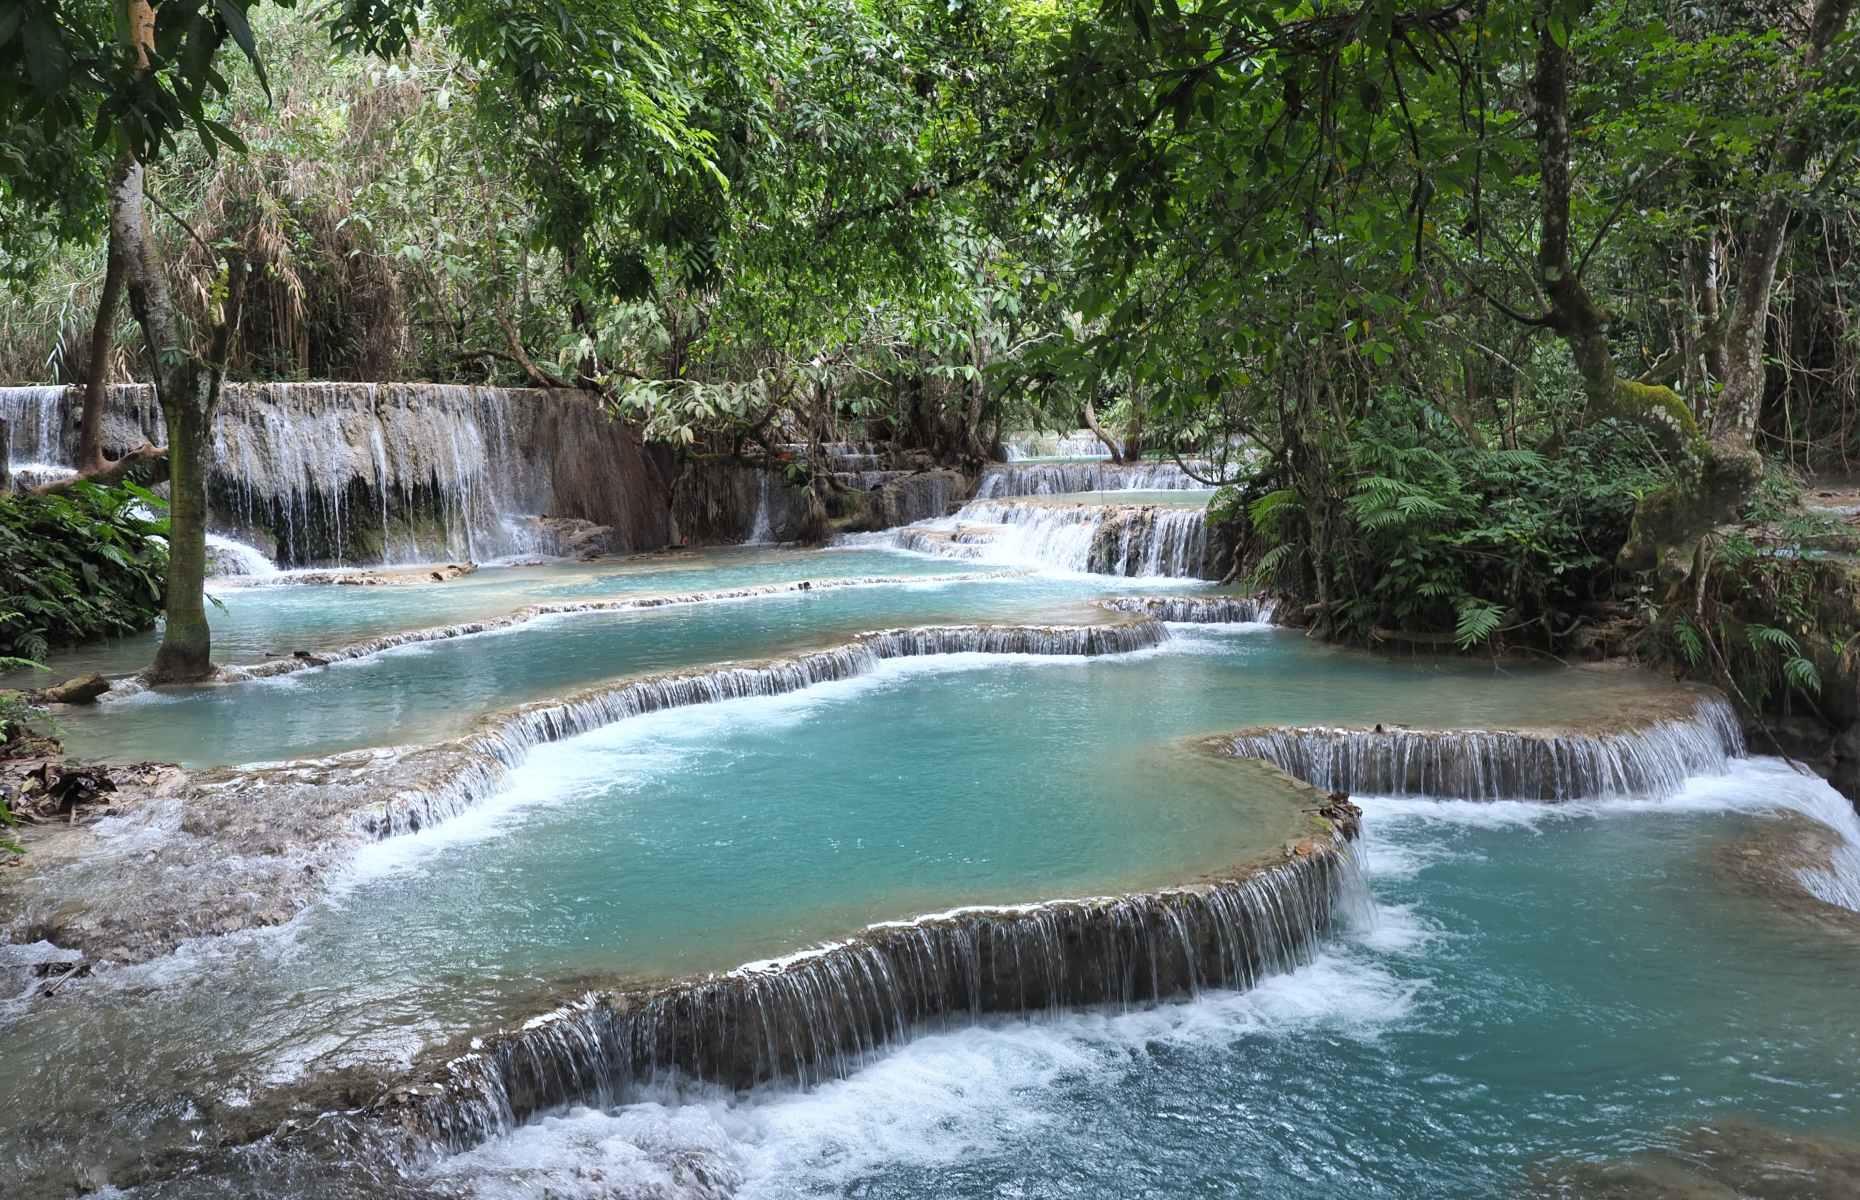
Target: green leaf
{"type": "Point", "coordinates": [232, 13]}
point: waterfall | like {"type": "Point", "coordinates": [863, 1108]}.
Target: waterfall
{"type": "Point", "coordinates": [1053, 479]}
{"type": "Point", "coordinates": [226, 557]}
{"type": "Point", "coordinates": [1654, 760]}
{"type": "Point", "coordinates": [1105, 539]}
{"type": "Point", "coordinates": [35, 420]}
{"type": "Point", "coordinates": [817, 1016]}
{"type": "Point", "coordinates": [338, 473]}
{"type": "Point", "coordinates": [1082, 443]}
{"type": "Point", "coordinates": [1198, 610]}
{"type": "Point", "coordinates": [454, 776]}
{"type": "Point", "coordinates": [760, 533]}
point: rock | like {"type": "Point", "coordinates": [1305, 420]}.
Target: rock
{"type": "Point", "coordinates": [1844, 755]}
{"type": "Point", "coordinates": [572, 537]}
{"type": "Point", "coordinates": [83, 690]}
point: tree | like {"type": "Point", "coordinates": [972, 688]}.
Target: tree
{"type": "Point", "coordinates": [127, 80]}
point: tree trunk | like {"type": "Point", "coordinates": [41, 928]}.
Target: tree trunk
{"type": "Point", "coordinates": [1734, 417]}
{"type": "Point", "coordinates": [186, 646]}
{"type": "Point", "coordinates": [90, 460]}
{"type": "Point", "coordinates": [1110, 443]}
{"type": "Point", "coordinates": [1574, 315]}
{"type": "Point", "coordinates": [187, 385]}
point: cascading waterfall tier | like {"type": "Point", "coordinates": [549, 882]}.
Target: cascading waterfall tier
{"type": "Point", "coordinates": [1198, 610]}
{"type": "Point", "coordinates": [485, 759]}
{"type": "Point", "coordinates": [1081, 443]}
{"type": "Point", "coordinates": [818, 1015]}
{"type": "Point", "coordinates": [1054, 479]}
{"type": "Point", "coordinates": [1105, 539]}
{"type": "Point", "coordinates": [251, 844]}
{"type": "Point", "coordinates": [331, 473]}
{"type": "Point", "coordinates": [1654, 759]}
{"type": "Point", "coordinates": [374, 646]}
{"type": "Point", "coordinates": [36, 421]}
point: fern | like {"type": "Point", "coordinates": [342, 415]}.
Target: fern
{"type": "Point", "coordinates": [1478, 620]}
{"type": "Point", "coordinates": [1768, 637]}
{"type": "Point", "coordinates": [1268, 513]}
{"type": "Point", "coordinates": [1802, 675]}
{"type": "Point", "coordinates": [1270, 562]}
{"type": "Point", "coordinates": [1691, 643]}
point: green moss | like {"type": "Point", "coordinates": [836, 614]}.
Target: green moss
{"type": "Point", "coordinates": [1656, 406]}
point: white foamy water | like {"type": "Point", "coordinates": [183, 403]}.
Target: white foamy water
{"type": "Point", "coordinates": [227, 556]}
{"type": "Point", "coordinates": [935, 1102]}
{"type": "Point", "coordinates": [1752, 785]}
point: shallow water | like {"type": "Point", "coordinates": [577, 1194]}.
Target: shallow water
{"type": "Point", "coordinates": [427, 691]}
{"type": "Point", "coordinates": [1539, 985]}
{"type": "Point", "coordinates": [254, 620]}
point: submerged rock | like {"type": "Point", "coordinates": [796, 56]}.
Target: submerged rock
{"type": "Point", "coordinates": [1722, 1160]}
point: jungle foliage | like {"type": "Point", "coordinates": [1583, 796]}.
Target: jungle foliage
{"type": "Point", "coordinates": [1502, 300]}
{"type": "Point", "coordinates": [85, 564]}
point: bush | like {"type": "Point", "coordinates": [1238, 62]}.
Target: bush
{"type": "Point", "coordinates": [87, 563]}
{"type": "Point", "coordinates": [1436, 538]}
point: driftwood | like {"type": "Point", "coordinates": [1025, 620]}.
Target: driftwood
{"type": "Point", "coordinates": [153, 457]}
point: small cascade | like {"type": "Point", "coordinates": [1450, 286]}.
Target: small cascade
{"type": "Point", "coordinates": [229, 558]}
{"type": "Point", "coordinates": [27, 476]}
{"type": "Point", "coordinates": [1082, 443]}
{"type": "Point", "coordinates": [761, 532]}
{"type": "Point", "coordinates": [1198, 610]}
{"type": "Point", "coordinates": [1056, 479]}
{"type": "Point", "coordinates": [818, 1016]}
{"type": "Point", "coordinates": [1108, 539]}
{"type": "Point", "coordinates": [1654, 760]}
{"type": "Point", "coordinates": [456, 776]}
{"type": "Point", "coordinates": [840, 457]}
{"type": "Point", "coordinates": [35, 419]}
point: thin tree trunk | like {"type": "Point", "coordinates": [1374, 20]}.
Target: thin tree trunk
{"type": "Point", "coordinates": [90, 459]}
{"type": "Point", "coordinates": [1734, 417]}
{"type": "Point", "coordinates": [1110, 443]}
{"type": "Point", "coordinates": [187, 385]}
{"type": "Point", "coordinates": [1574, 314]}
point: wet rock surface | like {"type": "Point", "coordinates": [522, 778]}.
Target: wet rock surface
{"type": "Point", "coordinates": [1726, 1160]}
{"type": "Point", "coordinates": [1769, 862]}
{"type": "Point", "coordinates": [85, 689]}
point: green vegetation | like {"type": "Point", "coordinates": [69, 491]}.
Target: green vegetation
{"type": "Point", "coordinates": [1505, 302]}
{"type": "Point", "coordinates": [84, 564]}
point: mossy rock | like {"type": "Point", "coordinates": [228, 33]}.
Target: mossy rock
{"type": "Point", "coordinates": [1669, 521]}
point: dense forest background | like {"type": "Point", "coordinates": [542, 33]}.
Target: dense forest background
{"type": "Point", "coordinates": [1522, 321]}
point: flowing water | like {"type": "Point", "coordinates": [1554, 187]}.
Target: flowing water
{"type": "Point", "coordinates": [1539, 985]}
{"type": "Point", "coordinates": [254, 619]}
{"type": "Point", "coordinates": [883, 916]}
{"type": "Point", "coordinates": [1135, 534]}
